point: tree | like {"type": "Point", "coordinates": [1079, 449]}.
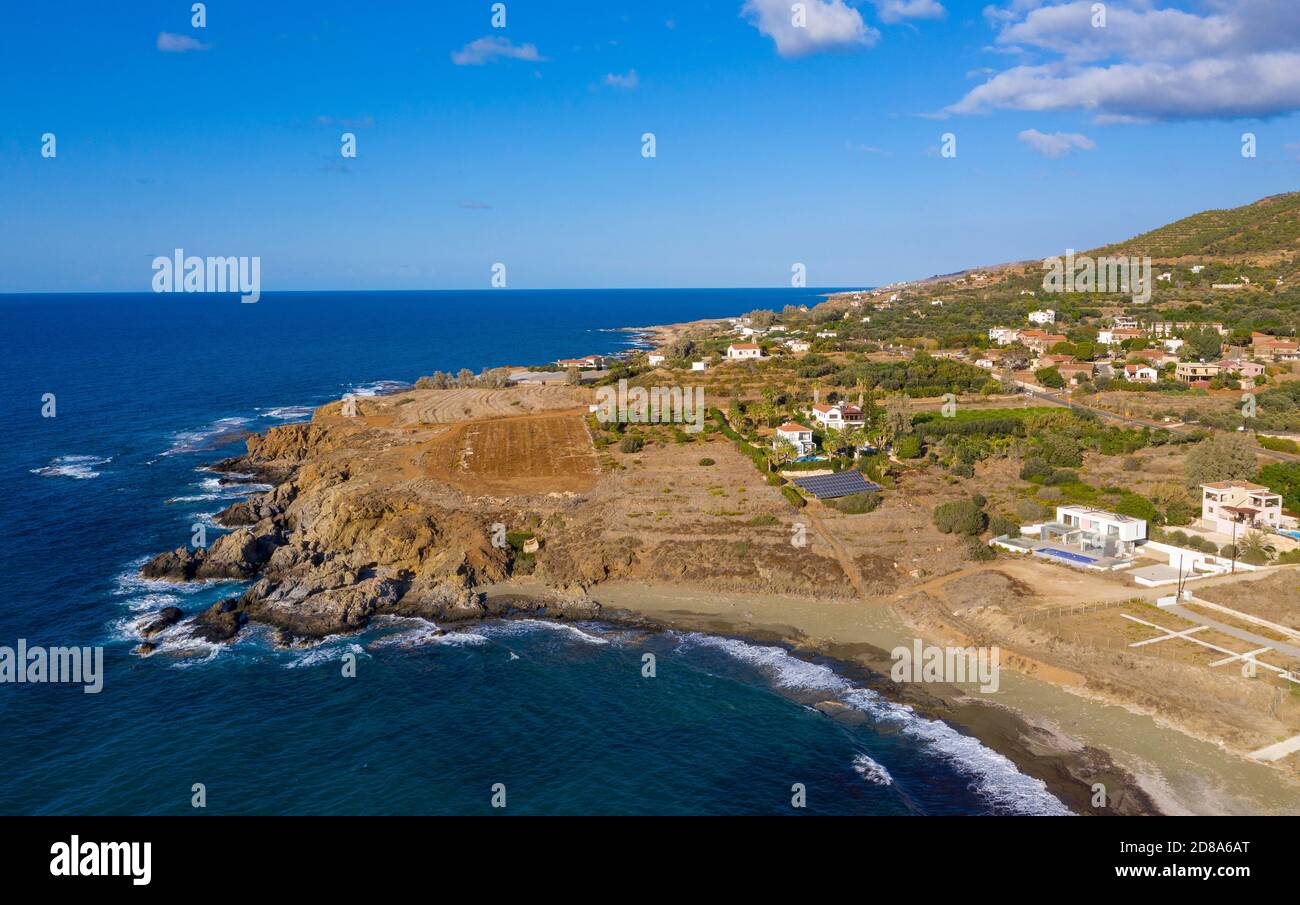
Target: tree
{"type": "Point", "coordinates": [898, 419]}
{"type": "Point", "coordinates": [1283, 478]}
{"type": "Point", "coordinates": [1049, 377]}
{"type": "Point", "coordinates": [1203, 343]}
{"type": "Point", "coordinates": [1137, 506]}
{"type": "Point", "coordinates": [1255, 549]}
{"type": "Point", "coordinates": [1223, 457]}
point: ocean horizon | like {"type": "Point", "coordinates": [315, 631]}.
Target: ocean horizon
{"type": "Point", "coordinates": [152, 389]}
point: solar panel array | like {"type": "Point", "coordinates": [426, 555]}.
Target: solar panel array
{"type": "Point", "coordinates": [833, 486]}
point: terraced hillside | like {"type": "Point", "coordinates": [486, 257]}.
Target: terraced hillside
{"type": "Point", "coordinates": [1260, 229]}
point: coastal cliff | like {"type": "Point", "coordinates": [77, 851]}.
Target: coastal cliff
{"type": "Point", "coordinates": [373, 515]}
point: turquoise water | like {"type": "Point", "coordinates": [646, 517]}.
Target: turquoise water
{"type": "Point", "coordinates": [151, 388]}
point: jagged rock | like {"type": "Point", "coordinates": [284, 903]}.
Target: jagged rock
{"type": "Point", "coordinates": [219, 622]}
{"type": "Point", "coordinates": [166, 618]}
{"type": "Point", "coordinates": [180, 564]}
{"type": "Point", "coordinates": [144, 648]}
{"type": "Point", "coordinates": [304, 611]}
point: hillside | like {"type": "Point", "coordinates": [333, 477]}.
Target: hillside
{"type": "Point", "coordinates": [1262, 229]}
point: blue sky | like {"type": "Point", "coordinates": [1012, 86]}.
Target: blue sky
{"type": "Point", "coordinates": [774, 145]}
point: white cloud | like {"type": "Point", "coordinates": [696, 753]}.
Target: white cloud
{"type": "Point", "coordinates": [828, 25]}
{"type": "Point", "coordinates": [1056, 144]}
{"type": "Point", "coordinates": [170, 43]}
{"type": "Point", "coordinates": [487, 50]}
{"type": "Point", "coordinates": [892, 11]}
{"type": "Point", "coordinates": [1237, 59]}
{"type": "Point", "coordinates": [631, 80]}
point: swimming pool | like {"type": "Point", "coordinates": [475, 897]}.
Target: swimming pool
{"type": "Point", "coordinates": [1067, 555]}
{"type": "Point", "coordinates": [1295, 534]}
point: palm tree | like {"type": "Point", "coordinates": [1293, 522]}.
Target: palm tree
{"type": "Point", "coordinates": [781, 449]}
{"type": "Point", "coordinates": [1255, 548]}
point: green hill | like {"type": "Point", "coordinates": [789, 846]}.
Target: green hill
{"type": "Point", "coordinates": [1260, 228]}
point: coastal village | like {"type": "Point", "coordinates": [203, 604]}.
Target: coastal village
{"type": "Point", "coordinates": [1106, 490]}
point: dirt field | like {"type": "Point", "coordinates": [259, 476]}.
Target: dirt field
{"type": "Point", "coordinates": [1274, 596]}
{"type": "Point", "coordinates": [529, 454]}
{"type": "Point", "coordinates": [446, 406]}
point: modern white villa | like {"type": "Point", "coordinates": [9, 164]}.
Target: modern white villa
{"type": "Point", "coordinates": [1081, 536]}
{"type": "Point", "coordinates": [798, 436]}
{"type": "Point", "coordinates": [1045, 316]}
{"type": "Point", "coordinates": [1229, 507]}
{"type": "Point", "coordinates": [838, 416]}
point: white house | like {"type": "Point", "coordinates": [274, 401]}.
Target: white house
{"type": "Point", "coordinates": [827, 334]}
{"type": "Point", "coordinates": [1140, 373]}
{"type": "Point", "coordinates": [742, 351]}
{"type": "Point", "coordinates": [1046, 316]}
{"type": "Point", "coordinates": [798, 345]}
{"type": "Point", "coordinates": [1003, 336]}
{"type": "Point", "coordinates": [838, 416]}
{"type": "Point", "coordinates": [1096, 531]}
{"type": "Point", "coordinates": [699, 365]}
{"type": "Point", "coordinates": [654, 359]}
{"type": "Point", "coordinates": [1230, 507]}
{"type": "Point", "coordinates": [798, 436]}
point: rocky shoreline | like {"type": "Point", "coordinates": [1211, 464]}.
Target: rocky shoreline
{"type": "Point", "coordinates": [339, 540]}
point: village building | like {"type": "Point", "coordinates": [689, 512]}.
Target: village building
{"type": "Point", "coordinates": [1231, 507]}
{"type": "Point", "coordinates": [799, 437]}
{"type": "Point", "coordinates": [743, 351]}
{"type": "Point", "coordinates": [838, 416]}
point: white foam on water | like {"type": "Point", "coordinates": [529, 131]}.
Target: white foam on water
{"type": "Point", "coordinates": [81, 468]}
{"type": "Point", "coordinates": [130, 583]}
{"type": "Point", "coordinates": [424, 632]}
{"type": "Point", "coordinates": [379, 388]}
{"type": "Point", "coordinates": [208, 437]}
{"type": "Point", "coordinates": [215, 489]}
{"type": "Point", "coordinates": [871, 771]}
{"type": "Point", "coordinates": [328, 651]}
{"type": "Point", "coordinates": [289, 413]}
{"type": "Point", "coordinates": [993, 775]}
{"type": "Point", "coordinates": [509, 627]}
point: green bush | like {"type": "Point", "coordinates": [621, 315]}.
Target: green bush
{"type": "Point", "coordinates": [1254, 557]}
{"type": "Point", "coordinates": [908, 447]}
{"type": "Point", "coordinates": [706, 461]}
{"type": "Point", "coordinates": [1290, 557]}
{"type": "Point", "coordinates": [1035, 467]}
{"type": "Point", "coordinates": [1031, 511]}
{"type": "Point", "coordinates": [1135, 505]}
{"type": "Point", "coordinates": [631, 444]}
{"type": "Point", "coordinates": [977, 551]}
{"type": "Point", "coordinates": [762, 521]}
{"type": "Point", "coordinates": [1228, 551]}
{"type": "Point", "coordinates": [858, 503]}
{"type": "Point", "coordinates": [1000, 525]}
{"type": "Point", "coordinates": [792, 494]}
{"type": "Point", "coordinates": [959, 517]}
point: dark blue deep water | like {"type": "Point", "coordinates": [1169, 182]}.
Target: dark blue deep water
{"type": "Point", "coordinates": [148, 387]}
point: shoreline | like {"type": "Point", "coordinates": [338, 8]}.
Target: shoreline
{"type": "Point", "coordinates": [1067, 768]}
{"type": "Point", "coordinates": [1030, 737]}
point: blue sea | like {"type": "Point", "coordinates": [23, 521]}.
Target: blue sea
{"type": "Point", "coordinates": [150, 388]}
